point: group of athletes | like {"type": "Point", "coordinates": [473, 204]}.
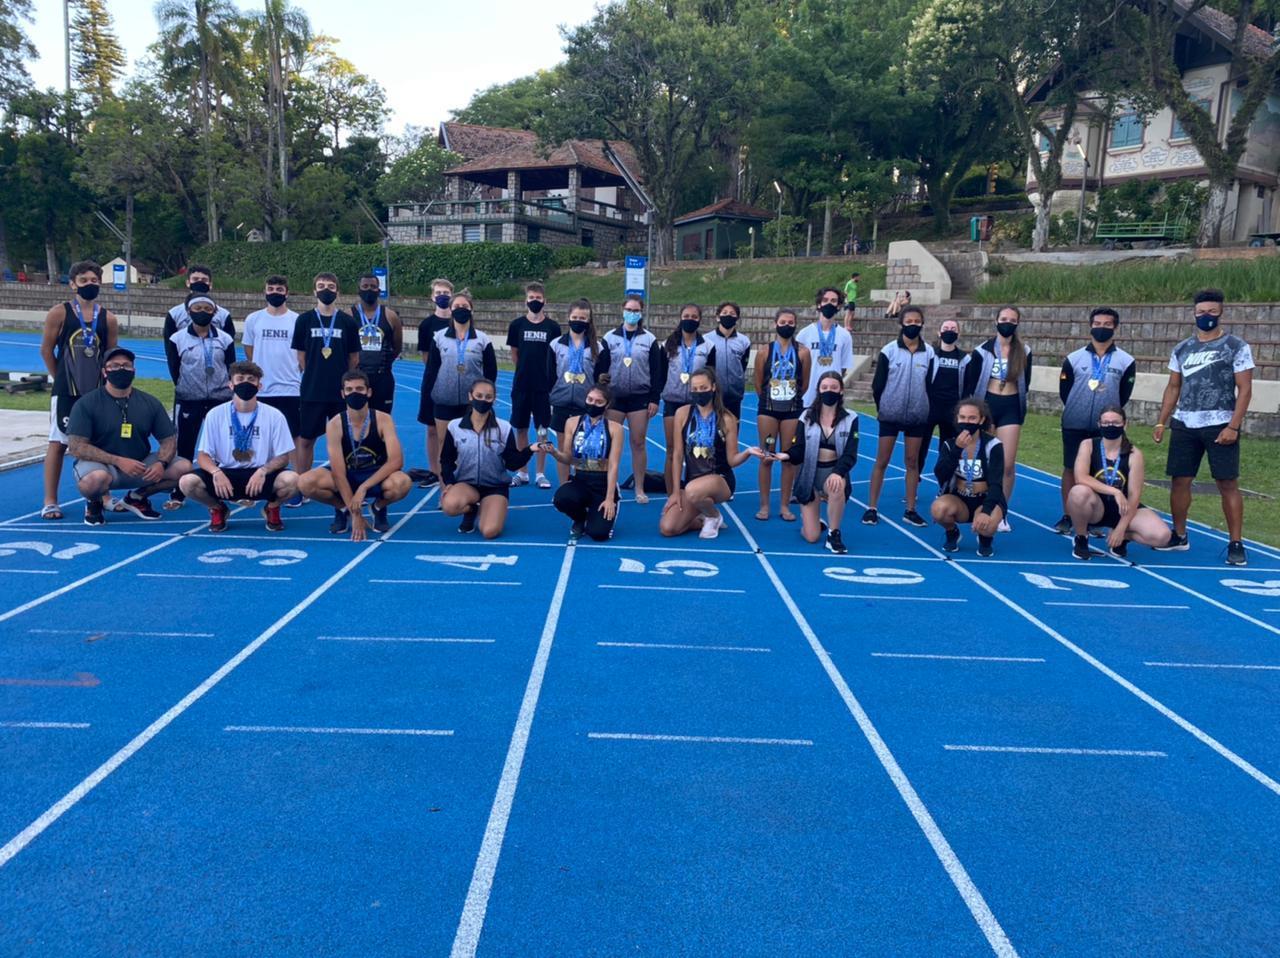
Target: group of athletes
{"type": "Point", "coordinates": [245, 430]}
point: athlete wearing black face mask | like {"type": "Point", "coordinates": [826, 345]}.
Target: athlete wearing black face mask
{"type": "Point", "coordinates": [327, 296]}
{"type": "Point", "coordinates": [89, 291]}
{"type": "Point", "coordinates": [200, 288]}
{"type": "Point", "coordinates": [245, 391]}
{"type": "Point", "coordinates": [829, 310]}
{"type": "Point", "coordinates": [785, 331]}
{"type": "Point", "coordinates": [579, 326]}
{"type": "Point", "coordinates": [949, 336]}
{"type": "Point", "coordinates": [356, 400]}
{"type": "Point", "coordinates": [592, 448]}
{"type": "Point", "coordinates": [703, 397]}
{"type": "Point", "coordinates": [530, 339]}
{"type": "Point", "coordinates": [201, 318]}
{"type": "Point", "coordinates": [534, 306]}
{"type": "Point", "coordinates": [368, 296]}
{"type": "Point", "coordinates": [276, 300]}
{"type": "Point", "coordinates": [476, 458]}
{"type": "Point", "coordinates": [969, 471]}
{"type": "Point", "coordinates": [461, 315]}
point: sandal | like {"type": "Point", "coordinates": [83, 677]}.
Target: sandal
{"type": "Point", "coordinates": [786, 515]}
{"type": "Point", "coordinates": [763, 515]}
{"type": "Point", "coordinates": [51, 512]}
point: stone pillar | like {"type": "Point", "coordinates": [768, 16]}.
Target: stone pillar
{"type": "Point", "coordinates": [513, 184]}
{"type": "Point", "coordinates": [575, 183]}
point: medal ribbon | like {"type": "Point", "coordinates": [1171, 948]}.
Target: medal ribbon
{"type": "Point", "coordinates": [687, 354]}
{"type": "Point", "coordinates": [575, 354]}
{"type": "Point", "coordinates": [86, 330]}
{"type": "Point", "coordinates": [351, 436]}
{"type": "Point", "coordinates": [328, 330]}
{"type": "Point", "coordinates": [784, 364]}
{"type": "Point", "coordinates": [628, 341]}
{"type": "Point", "coordinates": [462, 349]}
{"type": "Point", "coordinates": [207, 345]}
{"type": "Point", "coordinates": [704, 431]}
{"type": "Point", "coordinates": [591, 439]}
{"type": "Point", "coordinates": [242, 436]}
{"type": "Point", "coordinates": [826, 343]}
{"type": "Point", "coordinates": [1110, 470]}
{"type": "Point", "coordinates": [367, 326]}
{"type": "Point", "coordinates": [1100, 366]}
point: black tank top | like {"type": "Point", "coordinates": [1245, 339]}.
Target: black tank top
{"type": "Point", "coordinates": [712, 460]}
{"type": "Point", "coordinates": [1111, 472]}
{"type": "Point", "coordinates": [586, 460]}
{"type": "Point", "coordinates": [78, 357]}
{"type": "Point", "coordinates": [371, 453]}
{"type": "Point", "coordinates": [374, 361]}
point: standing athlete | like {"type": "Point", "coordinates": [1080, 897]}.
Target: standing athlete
{"type": "Point", "coordinates": [732, 353]}
{"type": "Point", "coordinates": [829, 342]}
{"type": "Point", "coordinates": [441, 294]}
{"type": "Point", "coordinates": [200, 357]}
{"type": "Point", "coordinates": [199, 283]}
{"type": "Point", "coordinates": [327, 343]}
{"type": "Point", "coordinates": [381, 341]}
{"type": "Point", "coordinates": [77, 334]}
{"type": "Point", "coordinates": [529, 337]}
{"type": "Point", "coordinates": [268, 342]}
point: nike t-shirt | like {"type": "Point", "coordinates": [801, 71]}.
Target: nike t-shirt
{"type": "Point", "coordinates": [1208, 396]}
{"type": "Point", "coordinates": [272, 340]}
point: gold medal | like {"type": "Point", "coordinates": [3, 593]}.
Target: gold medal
{"type": "Point", "coordinates": [626, 361]}
{"type": "Point", "coordinates": [580, 378]}
{"type": "Point", "coordinates": [242, 455]}
{"type": "Point", "coordinates": [326, 352]}
{"type": "Point", "coordinates": [1094, 384]}
{"type": "Point", "coordinates": [684, 377]}
{"type": "Point", "coordinates": [568, 377]}
{"type": "Point", "coordinates": [824, 360]}
{"type": "Point", "coordinates": [701, 452]}
{"type": "Point", "coordinates": [462, 367]}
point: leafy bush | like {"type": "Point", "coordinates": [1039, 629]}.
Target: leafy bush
{"type": "Point", "coordinates": [976, 185]}
{"type": "Point", "coordinates": [413, 267]}
{"type": "Point", "coordinates": [571, 257]}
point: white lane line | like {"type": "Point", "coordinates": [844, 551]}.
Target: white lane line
{"type": "Point", "coordinates": [321, 730]}
{"type": "Point", "coordinates": [888, 598]}
{"type": "Point", "coordinates": [52, 523]}
{"type": "Point", "coordinates": [819, 553]}
{"type": "Point", "coordinates": [471, 922]}
{"type": "Point", "coordinates": [139, 741]}
{"type": "Point", "coordinates": [163, 635]}
{"type": "Point", "coordinates": [715, 739]}
{"type": "Point", "coordinates": [1029, 750]}
{"type": "Point", "coordinates": [456, 582]}
{"type": "Point", "coordinates": [1201, 568]}
{"type": "Point", "coordinates": [954, 658]}
{"type": "Point", "coordinates": [28, 571]}
{"type": "Point", "coordinates": [670, 588]}
{"type": "Point", "coordinates": [44, 724]}
{"type": "Point", "coordinates": [401, 638]}
{"type": "Point", "coordinates": [1115, 605]}
{"type": "Point", "coordinates": [955, 870]}
{"type": "Point", "coordinates": [1212, 665]}
{"type": "Point", "coordinates": [673, 645]}
{"type": "Point", "coordinates": [1239, 762]}
{"type": "Point", "coordinates": [221, 578]}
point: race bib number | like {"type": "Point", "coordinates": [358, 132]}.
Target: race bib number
{"type": "Point", "coordinates": [782, 390]}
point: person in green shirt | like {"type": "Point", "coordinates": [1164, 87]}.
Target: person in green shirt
{"type": "Point", "coordinates": [850, 297]}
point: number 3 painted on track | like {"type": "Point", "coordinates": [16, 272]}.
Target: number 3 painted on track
{"type": "Point", "coordinates": [269, 557]}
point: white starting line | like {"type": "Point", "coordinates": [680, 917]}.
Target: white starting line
{"type": "Point", "coordinates": [309, 730]}
{"type": "Point", "coordinates": [674, 645]}
{"type": "Point", "coordinates": [44, 724]}
{"type": "Point", "coordinates": [712, 739]}
{"type": "Point", "coordinates": [402, 638]}
{"type": "Point", "coordinates": [1036, 750]}
{"type": "Point", "coordinates": [1212, 665]}
{"type": "Point", "coordinates": [953, 658]}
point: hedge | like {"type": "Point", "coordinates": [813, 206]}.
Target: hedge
{"type": "Point", "coordinates": [571, 257]}
{"type": "Point", "coordinates": [412, 266]}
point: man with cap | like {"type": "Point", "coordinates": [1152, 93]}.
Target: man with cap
{"type": "Point", "coordinates": [199, 356]}
{"type": "Point", "coordinates": [109, 436]}
{"type": "Point", "coordinates": [243, 454]}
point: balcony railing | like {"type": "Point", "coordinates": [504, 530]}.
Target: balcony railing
{"type": "Point", "coordinates": [543, 212]}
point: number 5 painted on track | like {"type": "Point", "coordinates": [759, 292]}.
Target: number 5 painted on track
{"type": "Point", "coordinates": [873, 576]}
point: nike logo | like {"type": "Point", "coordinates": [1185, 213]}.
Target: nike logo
{"type": "Point", "coordinates": [1198, 361]}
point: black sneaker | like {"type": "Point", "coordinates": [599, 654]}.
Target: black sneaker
{"type": "Point", "coordinates": [1176, 543]}
{"type": "Point", "coordinates": [1121, 551]}
{"type": "Point", "coordinates": [468, 523]}
{"type": "Point", "coordinates": [1063, 526]}
{"type": "Point", "coordinates": [1081, 549]}
{"type": "Point", "coordinates": [140, 506]}
{"type": "Point", "coordinates": [93, 514]}
{"type": "Point", "coordinates": [577, 530]}
{"type": "Point", "coordinates": [1235, 554]}
{"type": "Point", "coordinates": [913, 518]}
{"type": "Point", "coordinates": [984, 547]}
{"type": "Point", "coordinates": [428, 480]}
{"type": "Point", "coordinates": [835, 543]}
{"type": "Point", "coordinates": [341, 522]}
{"type": "Point", "coordinates": [870, 518]}
{"type": "Point", "coordinates": [952, 542]}
{"type": "Point", "coordinates": [380, 521]}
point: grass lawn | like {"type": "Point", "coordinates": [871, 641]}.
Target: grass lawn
{"type": "Point", "coordinates": [162, 389]}
{"type": "Point", "coordinates": [1243, 281]}
{"type": "Point", "coordinates": [746, 283]}
{"type": "Point", "coordinates": [1041, 446]}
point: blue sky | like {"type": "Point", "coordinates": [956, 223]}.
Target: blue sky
{"type": "Point", "coordinates": [429, 57]}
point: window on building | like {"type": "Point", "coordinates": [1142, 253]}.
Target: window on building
{"type": "Point", "coordinates": [691, 244]}
{"type": "Point", "coordinates": [493, 233]}
{"type": "Point", "coordinates": [1179, 133]}
{"type": "Point", "coordinates": [589, 238]}
{"type": "Point", "coordinates": [1046, 144]}
{"type": "Point", "coordinates": [472, 233]}
{"type": "Point", "coordinates": [1127, 129]}
{"type": "Point", "coordinates": [535, 234]}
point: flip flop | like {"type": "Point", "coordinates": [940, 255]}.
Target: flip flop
{"type": "Point", "coordinates": [787, 516]}
{"type": "Point", "coordinates": [51, 512]}
{"type": "Point", "coordinates": [763, 515]}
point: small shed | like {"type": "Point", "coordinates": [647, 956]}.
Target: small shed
{"type": "Point", "coordinates": [715, 231]}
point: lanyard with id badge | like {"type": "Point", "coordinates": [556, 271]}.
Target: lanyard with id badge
{"type": "Point", "coordinates": [126, 427]}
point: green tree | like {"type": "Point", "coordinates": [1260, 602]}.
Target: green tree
{"type": "Point", "coordinates": [15, 51]}
{"type": "Point", "coordinates": [417, 176]}
{"type": "Point", "coordinates": [662, 76]}
{"type": "Point", "coordinates": [1255, 67]}
{"type": "Point", "coordinates": [98, 58]}
{"type": "Point", "coordinates": [333, 99]}
{"type": "Point", "coordinates": [521, 104]}
{"type": "Point", "coordinates": [199, 41]}
{"type": "Point", "coordinates": [281, 34]}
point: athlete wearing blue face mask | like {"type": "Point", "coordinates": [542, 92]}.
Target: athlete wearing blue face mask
{"type": "Point", "coordinates": [636, 371]}
{"type": "Point", "coordinates": [1210, 384]}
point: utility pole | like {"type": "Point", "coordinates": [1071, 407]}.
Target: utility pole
{"type": "Point", "coordinates": [386, 238]}
{"type": "Point", "coordinates": [126, 242]}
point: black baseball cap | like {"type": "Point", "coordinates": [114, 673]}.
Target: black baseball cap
{"type": "Point", "coordinates": [119, 351]}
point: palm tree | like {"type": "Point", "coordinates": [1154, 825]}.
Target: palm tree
{"type": "Point", "coordinates": [281, 36]}
{"type": "Point", "coordinates": [198, 37]}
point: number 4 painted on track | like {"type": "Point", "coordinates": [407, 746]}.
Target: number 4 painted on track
{"type": "Point", "coordinates": [693, 568]}
{"type": "Point", "coordinates": [1050, 582]}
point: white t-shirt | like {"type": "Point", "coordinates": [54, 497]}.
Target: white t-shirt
{"type": "Point", "coordinates": [271, 338]}
{"type": "Point", "coordinates": [841, 355]}
{"type": "Point", "coordinates": [270, 436]}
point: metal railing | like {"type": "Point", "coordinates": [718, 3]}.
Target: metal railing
{"type": "Point", "coordinates": [551, 212]}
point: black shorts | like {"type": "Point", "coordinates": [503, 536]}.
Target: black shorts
{"type": "Point", "coordinates": [188, 415]}
{"type": "Point", "coordinates": [426, 408]}
{"type": "Point", "coordinates": [915, 430]}
{"type": "Point", "coordinates": [384, 390]}
{"type": "Point", "coordinates": [239, 478]}
{"type": "Point", "coordinates": [487, 491]}
{"type": "Point", "coordinates": [1006, 410]}
{"type": "Point", "coordinates": [734, 405]}
{"type": "Point", "coordinates": [1188, 446]}
{"type": "Point", "coordinates": [562, 414]}
{"type": "Point", "coordinates": [630, 404]}
{"type": "Point", "coordinates": [973, 503]}
{"type": "Point", "coordinates": [1071, 439]}
{"type": "Point", "coordinates": [1110, 512]}
{"type": "Point", "coordinates": [530, 405]}
{"type": "Point", "coordinates": [314, 416]}
{"type": "Point", "coordinates": [782, 415]}
{"type": "Point", "coordinates": [448, 413]}
{"type": "Point", "coordinates": [669, 408]}
{"type": "Point", "coordinates": [287, 405]}
{"type": "Point", "coordinates": [357, 476]}
{"type": "Point", "coordinates": [946, 428]}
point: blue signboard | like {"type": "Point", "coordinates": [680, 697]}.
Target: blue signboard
{"type": "Point", "coordinates": [117, 276]}
{"type": "Point", "coordinates": [636, 267]}
{"type": "Point", "coordinates": [381, 273]}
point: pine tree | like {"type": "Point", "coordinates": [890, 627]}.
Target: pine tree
{"type": "Point", "coordinates": [99, 60]}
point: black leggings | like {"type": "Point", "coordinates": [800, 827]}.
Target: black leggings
{"type": "Point", "coordinates": [580, 500]}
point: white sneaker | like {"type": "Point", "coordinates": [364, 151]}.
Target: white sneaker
{"type": "Point", "coordinates": [711, 527]}
{"type": "Point", "coordinates": [542, 482]}
{"type": "Point", "coordinates": [1004, 526]}
{"type": "Point", "coordinates": [520, 479]}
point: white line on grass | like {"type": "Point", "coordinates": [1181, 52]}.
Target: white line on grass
{"type": "Point", "coordinates": [139, 741]}
{"type": "Point", "coordinates": [400, 638]}
{"type": "Point", "coordinates": [317, 730]}
{"type": "Point", "coordinates": [670, 588]}
{"type": "Point", "coordinates": [44, 724]}
{"type": "Point", "coordinates": [1248, 768]}
{"type": "Point", "coordinates": [956, 871]}
{"type": "Point", "coordinates": [471, 922]}
{"type": "Point", "coordinates": [1032, 750]}
{"type": "Point", "coordinates": [712, 739]}
{"type": "Point", "coordinates": [673, 645]}
{"type": "Point", "coordinates": [954, 658]}
{"type": "Point", "coordinates": [1212, 665]}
